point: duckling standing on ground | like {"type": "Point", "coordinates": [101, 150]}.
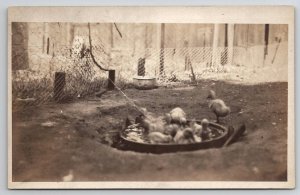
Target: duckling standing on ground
{"type": "Point", "coordinates": [218, 106]}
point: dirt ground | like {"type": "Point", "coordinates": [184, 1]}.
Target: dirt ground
{"type": "Point", "coordinates": [74, 139]}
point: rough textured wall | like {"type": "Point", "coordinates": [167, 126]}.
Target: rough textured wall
{"type": "Point", "coordinates": [249, 39]}
{"type": "Point", "coordinates": [45, 47]}
{"type": "Point", "coordinates": [19, 46]}
{"type": "Point", "coordinates": [247, 35]}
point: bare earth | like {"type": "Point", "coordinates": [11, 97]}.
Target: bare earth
{"type": "Point", "coordinates": [79, 134]}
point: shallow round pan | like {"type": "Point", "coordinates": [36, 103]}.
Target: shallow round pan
{"type": "Point", "coordinates": [173, 147]}
{"type": "Point", "coordinates": [144, 82]}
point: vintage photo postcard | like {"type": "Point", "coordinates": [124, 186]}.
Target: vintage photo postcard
{"type": "Point", "coordinates": [151, 97]}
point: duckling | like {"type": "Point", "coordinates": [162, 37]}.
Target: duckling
{"type": "Point", "coordinates": [141, 120]}
{"type": "Point", "coordinates": [197, 138]}
{"type": "Point", "coordinates": [197, 129]}
{"type": "Point", "coordinates": [151, 123]}
{"type": "Point", "coordinates": [171, 129]}
{"type": "Point", "coordinates": [167, 118]}
{"type": "Point", "coordinates": [177, 115]}
{"type": "Point", "coordinates": [206, 132]}
{"type": "Point", "coordinates": [133, 136]}
{"type": "Point", "coordinates": [185, 136]}
{"type": "Point", "coordinates": [218, 106]}
{"type": "Point", "coordinates": [179, 138]}
{"type": "Point", "coordinates": [158, 137]}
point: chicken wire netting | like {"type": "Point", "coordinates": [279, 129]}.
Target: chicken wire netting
{"type": "Point", "coordinates": [129, 50]}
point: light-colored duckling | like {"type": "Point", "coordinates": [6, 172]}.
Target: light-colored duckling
{"type": "Point", "coordinates": [158, 137]}
{"type": "Point", "coordinates": [178, 116]}
{"type": "Point", "coordinates": [172, 129]}
{"type": "Point", "coordinates": [185, 136]}
{"type": "Point", "coordinates": [155, 125]}
{"type": "Point", "coordinates": [167, 118]}
{"type": "Point", "coordinates": [217, 106]}
{"type": "Point", "coordinates": [197, 128]}
{"type": "Point", "coordinates": [150, 122]}
{"type": "Point", "coordinates": [205, 133]}
{"type": "Point", "coordinates": [197, 139]}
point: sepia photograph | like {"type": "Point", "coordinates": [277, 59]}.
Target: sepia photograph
{"type": "Point", "coordinates": [144, 97]}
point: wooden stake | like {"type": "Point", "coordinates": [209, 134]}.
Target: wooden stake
{"type": "Point", "coordinates": [266, 39]}
{"type": "Point", "coordinates": [111, 79]}
{"type": "Point", "coordinates": [59, 84]}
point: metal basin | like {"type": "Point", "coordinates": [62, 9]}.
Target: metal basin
{"type": "Point", "coordinates": [144, 82]}
{"type": "Point", "coordinates": [173, 147]}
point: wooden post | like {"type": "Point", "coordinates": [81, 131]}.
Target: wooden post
{"type": "Point", "coordinates": [230, 43]}
{"type": "Point", "coordinates": [215, 60]}
{"type": "Point", "coordinates": [266, 40]}
{"type": "Point", "coordinates": [70, 33]}
{"type": "Point", "coordinates": [208, 45]}
{"type": "Point", "coordinates": [146, 40]}
{"type": "Point", "coordinates": [112, 35]}
{"type": "Point", "coordinates": [187, 60]}
{"type": "Point", "coordinates": [141, 67]}
{"type": "Point", "coordinates": [111, 80]}
{"type": "Point", "coordinates": [226, 36]}
{"type": "Point", "coordinates": [48, 45]}
{"type": "Point", "coordinates": [59, 84]}
{"type": "Point", "coordinates": [224, 53]}
{"type": "Point", "coordinates": [157, 45]}
{"type": "Point", "coordinates": [46, 38]}
{"type": "Point", "coordinates": [162, 45]}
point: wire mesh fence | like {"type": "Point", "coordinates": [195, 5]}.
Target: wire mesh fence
{"type": "Point", "coordinates": [128, 55]}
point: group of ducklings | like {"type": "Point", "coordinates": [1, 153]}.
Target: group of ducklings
{"type": "Point", "coordinates": [174, 128]}
{"type": "Point", "coordinates": [182, 135]}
